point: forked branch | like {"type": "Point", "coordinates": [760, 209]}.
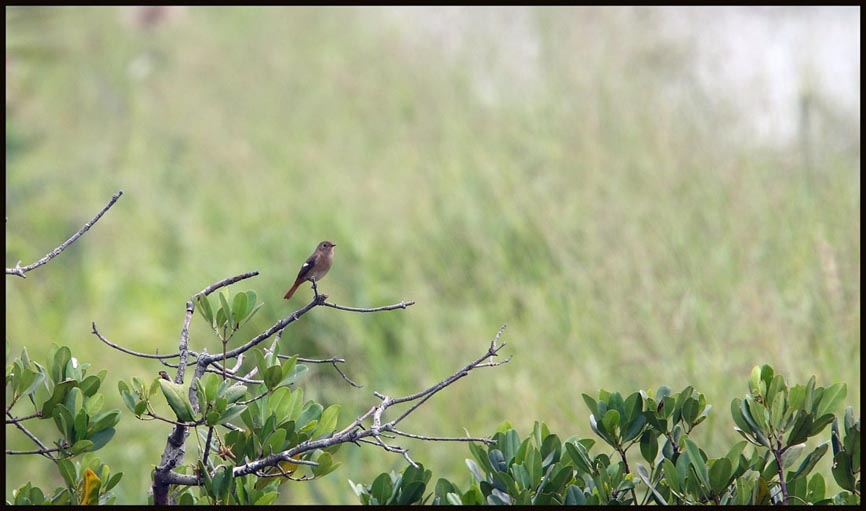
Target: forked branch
{"type": "Point", "coordinates": [356, 432]}
{"type": "Point", "coordinates": [21, 270]}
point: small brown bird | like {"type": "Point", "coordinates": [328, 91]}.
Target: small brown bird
{"type": "Point", "coordinates": [315, 267]}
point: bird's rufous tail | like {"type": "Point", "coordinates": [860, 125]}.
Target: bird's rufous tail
{"type": "Point", "coordinates": [290, 292]}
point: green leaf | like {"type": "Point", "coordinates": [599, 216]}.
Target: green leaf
{"type": "Point", "coordinates": [499, 498]}
{"type": "Point", "coordinates": [251, 301]}
{"type": "Point", "coordinates": [267, 499]}
{"type": "Point", "coordinates": [610, 421]}
{"type": "Point", "coordinates": [278, 403]}
{"type": "Point", "coordinates": [205, 309]}
{"type": "Point", "coordinates": [75, 400]}
{"type": "Point", "coordinates": [796, 397]}
{"type": "Point", "coordinates": [720, 474]}
{"type": "Point", "coordinates": [297, 372]}
{"type": "Point", "coordinates": [792, 454]}
{"type": "Point", "coordinates": [643, 474]}
{"type": "Point", "coordinates": [222, 481]}
{"type": "Point", "coordinates": [809, 463]}
{"type": "Point", "coordinates": [690, 410]}
{"type": "Point", "coordinates": [633, 406]}
{"type": "Point", "coordinates": [209, 382]}
{"type": "Point", "coordinates": [817, 489]}
{"type": "Point", "coordinates": [68, 471]}
{"type": "Point", "coordinates": [276, 442]}
{"type": "Point", "coordinates": [759, 414]}
{"type": "Point", "coordinates": [61, 390]}
{"type": "Point", "coordinates": [227, 311]}
{"type": "Point", "coordinates": [697, 462]}
{"type": "Point", "coordinates": [832, 397]}
{"type": "Point", "coordinates": [81, 446]}
{"type": "Point", "coordinates": [272, 377]}
{"type": "Point", "coordinates": [61, 358]}
{"type": "Point", "coordinates": [94, 405]}
{"type": "Point", "coordinates": [509, 446]}
{"type": "Point", "coordinates": [473, 467]}
{"type": "Point", "coordinates": [777, 410]}
{"type": "Point", "coordinates": [104, 420]}
{"type": "Point", "coordinates": [81, 420]}
{"type": "Point", "coordinates": [177, 399]}
{"type": "Point", "coordinates": [112, 481]}
{"type": "Point", "coordinates": [842, 472]}
{"type": "Point", "coordinates": [502, 480]}
{"type": "Point", "coordinates": [551, 449]}
{"type": "Point", "coordinates": [800, 430]}
{"type": "Point", "coordinates": [533, 465]}
{"type": "Point", "coordinates": [411, 493]}
{"type": "Point", "coordinates": [312, 411]}
{"type": "Point", "coordinates": [381, 489]}
{"type": "Point", "coordinates": [775, 386]}
{"type": "Point", "coordinates": [239, 308]}
{"type": "Point", "coordinates": [35, 380]}
{"type": "Point", "coordinates": [737, 414]}
{"type": "Point", "coordinates": [580, 456]}
{"type": "Point", "coordinates": [591, 404]}
{"type": "Point", "coordinates": [328, 421]}
{"type": "Point", "coordinates": [649, 445]}
{"type": "Point", "coordinates": [235, 392]}
{"type": "Point", "coordinates": [634, 428]}
{"type": "Point", "coordinates": [820, 423]}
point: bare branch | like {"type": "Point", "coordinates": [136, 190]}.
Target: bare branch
{"type": "Point", "coordinates": [401, 305]}
{"type": "Point", "coordinates": [45, 451]}
{"type": "Point", "coordinates": [354, 432]}
{"type": "Point", "coordinates": [333, 361]}
{"type": "Point", "coordinates": [231, 280]}
{"type": "Point", "coordinates": [14, 420]}
{"type": "Point", "coordinates": [129, 351]}
{"type": "Point", "coordinates": [351, 433]}
{"type": "Point", "coordinates": [281, 324]}
{"type": "Point", "coordinates": [34, 451]}
{"type": "Point", "coordinates": [248, 401]}
{"type": "Point", "coordinates": [487, 441]}
{"type": "Point", "coordinates": [20, 271]}
{"type": "Point", "coordinates": [207, 445]}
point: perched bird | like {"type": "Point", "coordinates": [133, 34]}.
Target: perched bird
{"type": "Point", "coordinates": [315, 267]}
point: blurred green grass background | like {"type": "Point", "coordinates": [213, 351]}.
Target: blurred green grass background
{"type": "Point", "coordinates": [607, 208]}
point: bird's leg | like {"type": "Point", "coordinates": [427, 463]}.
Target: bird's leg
{"type": "Point", "coordinates": [319, 298]}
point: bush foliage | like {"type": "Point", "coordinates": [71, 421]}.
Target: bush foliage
{"type": "Point", "coordinates": [777, 420]}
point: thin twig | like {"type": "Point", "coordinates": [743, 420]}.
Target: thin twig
{"type": "Point", "coordinates": [20, 271]}
{"type": "Point", "coordinates": [291, 318]}
{"type": "Point", "coordinates": [333, 361]}
{"type": "Point", "coordinates": [207, 446]}
{"type": "Point", "coordinates": [351, 432]}
{"type": "Point", "coordinates": [487, 441]}
{"type": "Point", "coordinates": [225, 282]}
{"type": "Point", "coordinates": [45, 450]}
{"type": "Point", "coordinates": [248, 401]}
{"type": "Point", "coordinates": [235, 377]}
{"type": "Point", "coordinates": [129, 351]}
{"type": "Point", "coordinates": [34, 451]}
{"type": "Point", "coordinates": [13, 420]}
{"type": "Point", "coordinates": [401, 305]}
